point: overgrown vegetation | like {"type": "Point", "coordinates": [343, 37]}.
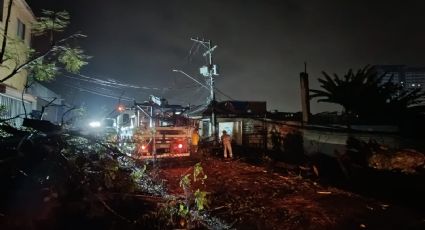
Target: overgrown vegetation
{"type": "Point", "coordinates": [189, 211]}
{"type": "Point", "coordinates": [16, 56]}
{"type": "Point", "coordinates": [78, 180]}
{"type": "Point", "coordinates": [66, 175]}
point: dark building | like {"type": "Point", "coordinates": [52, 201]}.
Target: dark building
{"type": "Point", "coordinates": [243, 120]}
{"type": "Point", "coordinates": [407, 76]}
{"type": "Point", "coordinates": [49, 103]}
{"type": "Point", "coordinates": [238, 109]}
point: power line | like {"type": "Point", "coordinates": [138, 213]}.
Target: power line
{"type": "Point", "coordinates": [221, 92]}
{"type": "Point", "coordinates": [98, 93]}
{"type": "Point", "coordinates": [191, 96]}
{"type": "Point", "coordinates": [91, 81]}
{"type": "Point", "coordinates": [116, 84]}
{"type": "Point", "coordinates": [125, 85]}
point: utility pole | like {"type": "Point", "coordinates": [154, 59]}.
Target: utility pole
{"type": "Point", "coordinates": [305, 96]}
{"type": "Point", "coordinates": [211, 70]}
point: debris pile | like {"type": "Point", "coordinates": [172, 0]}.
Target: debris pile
{"type": "Point", "coordinates": [56, 178]}
{"type": "Point", "coordinates": [406, 161]}
{"type": "Point", "coordinates": [255, 197]}
{"type": "Point", "coordinates": [59, 179]}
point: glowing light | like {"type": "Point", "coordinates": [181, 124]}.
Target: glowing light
{"type": "Point", "coordinates": [121, 108]}
{"type": "Point", "coordinates": [143, 147]}
{"type": "Point", "coordinates": [180, 146]}
{"type": "Point", "coordinates": [94, 124]}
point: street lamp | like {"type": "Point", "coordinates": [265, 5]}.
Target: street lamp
{"type": "Point", "coordinates": [187, 75]}
{"type": "Point", "coordinates": [95, 124]}
{"type": "Point", "coordinates": [211, 99]}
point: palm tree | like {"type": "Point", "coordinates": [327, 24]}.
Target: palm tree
{"type": "Point", "coordinates": [364, 95]}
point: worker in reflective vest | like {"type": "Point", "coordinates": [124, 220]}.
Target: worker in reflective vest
{"type": "Point", "coordinates": [226, 140]}
{"type": "Point", "coordinates": [195, 140]}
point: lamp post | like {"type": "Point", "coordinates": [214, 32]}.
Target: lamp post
{"type": "Point", "coordinates": [187, 75]}
{"type": "Point", "coordinates": [211, 100]}
{"type": "Point", "coordinates": [210, 71]}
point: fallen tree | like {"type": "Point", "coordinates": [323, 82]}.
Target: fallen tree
{"type": "Point", "coordinates": [57, 178]}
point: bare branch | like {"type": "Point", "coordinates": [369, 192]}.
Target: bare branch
{"type": "Point", "coordinates": [11, 118]}
{"type": "Point", "coordinates": [111, 210]}
{"type": "Point", "coordinates": [6, 27]}
{"type": "Point", "coordinates": [46, 106]}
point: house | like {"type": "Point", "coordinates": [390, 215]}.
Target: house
{"type": "Point", "coordinates": [18, 41]}
{"type": "Point", "coordinates": [243, 120]}
{"type": "Point", "coordinates": [49, 105]}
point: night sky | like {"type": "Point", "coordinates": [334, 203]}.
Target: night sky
{"type": "Point", "coordinates": [262, 45]}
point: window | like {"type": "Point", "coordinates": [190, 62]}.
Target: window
{"type": "Point", "coordinates": [13, 108]}
{"type": "Point", "coordinates": [21, 30]}
{"type": "Point", "coordinates": [126, 119]}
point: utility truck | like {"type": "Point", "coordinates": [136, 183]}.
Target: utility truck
{"type": "Point", "coordinates": [155, 129]}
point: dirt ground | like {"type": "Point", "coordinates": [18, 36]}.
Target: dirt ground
{"type": "Point", "coordinates": [251, 196]}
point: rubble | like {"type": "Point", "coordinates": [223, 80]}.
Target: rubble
{"type": "Point", "coordinates": [406, 161]}
{"type": "Point", "coordinates": [251, 198]}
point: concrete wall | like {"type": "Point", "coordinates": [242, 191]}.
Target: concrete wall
{"type": "Point", "coordinates": [316, 139]}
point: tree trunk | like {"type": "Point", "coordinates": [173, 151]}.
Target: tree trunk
{"type": "Point", "coordinates": [6, 27]}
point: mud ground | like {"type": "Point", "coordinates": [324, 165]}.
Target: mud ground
{"type": "Point", "coordinates": [252, 196]}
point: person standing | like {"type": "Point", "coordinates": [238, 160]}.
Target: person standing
{"type": "Point", "coordinates": [195, 140]}
{"type": "Point", "coordinates": [226, 140]}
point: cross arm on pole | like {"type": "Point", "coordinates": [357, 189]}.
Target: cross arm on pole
{"type": "Point", "coordinates": [209, 51]}
{"type": "Point", "coordinates": [202, 42]}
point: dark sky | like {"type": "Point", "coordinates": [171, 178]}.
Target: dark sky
{"type": "Point", "coordinates": [262, 45]}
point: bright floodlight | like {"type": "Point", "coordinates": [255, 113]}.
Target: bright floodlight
{"type": "Point", "coordinates": [94, 124]}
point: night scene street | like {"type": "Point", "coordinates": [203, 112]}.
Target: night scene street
{"type": "Point", "coordinates": [219, 114]}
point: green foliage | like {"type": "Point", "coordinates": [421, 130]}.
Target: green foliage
{"type": "Point", "coordinates": [185, 181]}
{"type": "Point", "coordinates": [137, 174]}
{"type": "Point", "coordinates": [51, 21]}
{"type": "Point", "coordinates": [200, 199]}
{"type": "Point", "coordinates": [183, 210]}
{"type": "Point", "coordinates": [43, 71]}
{"type": "Point", "coordinates": [197, 172]}
{"type": "Point", "coordinates": [16, 52]}
{"type": "Point", "coordinates": [73, 59]}
{"type": "Point", "coordinates": [45, 65]}
{"type": "Point", "coordinates": [192, 197]}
